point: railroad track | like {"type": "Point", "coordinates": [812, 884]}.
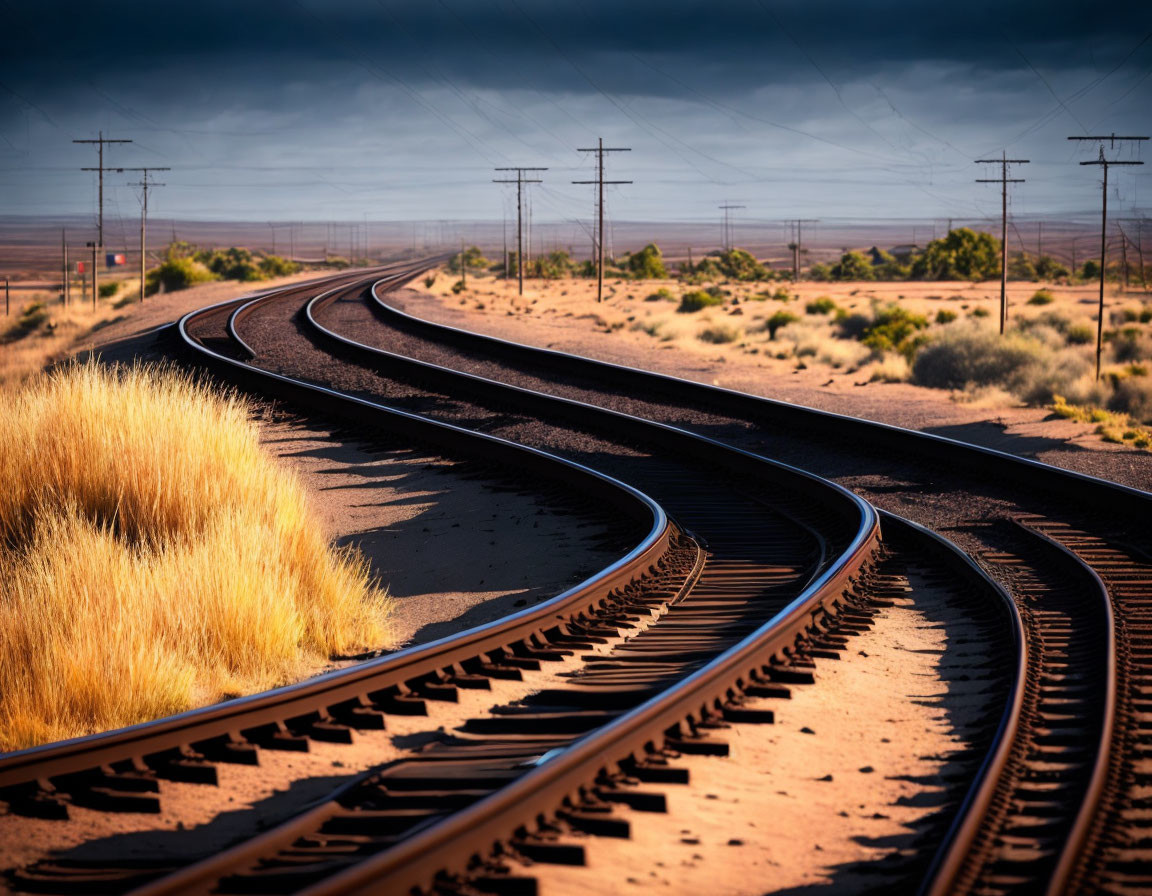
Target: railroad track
{"type": "Point", "coordinates": [677, 683]}
{"type": "Point", "coordinates": [777, 575]}
{"type": "Point", "coordinates": [1097, 843]}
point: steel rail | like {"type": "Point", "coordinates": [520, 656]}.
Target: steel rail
{"type": "Point", "coordinates": [292, 701]}
{"type": "Point", "coordinates": [746, 406]}
{"type": "Point", "coordinates": [955, 865]}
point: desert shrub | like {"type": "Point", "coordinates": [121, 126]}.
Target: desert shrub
{"type": "Point", "coordinates": [458, 287]}
{"type": "Point", "coordinates": [1132, 395]}
{"type": "Point", "coordinates": [1130, 344]}
{"type": "Point", "coordinates": [852, 326]}
{"type": "Point", "coordinates": [720, 334]}
{"type": "Point", "coordinates": [741, 265]}
{"type": "Point", "coordinates": [893, 329]}
{"type": "Point", "coordinates": [821, 305]}
{"type": "Point", "coordinates": [970, 357]}
{"type": "Point", "coordinates": [1042, 297]}
{"type": "Point", "coordinates": [429, 281]}
{"type": "Point", "coordinates": [820, 272]}
{"type": "Point", "coordinates": [1047, 268]}
{"type": "Point", "coordinates": [891, 368]}
{"type": "Point", "coordinates": [697, 300]}
{"type": "Point", "coordinates": [178, 273]}
{"type": "Point", "coordinates": [778, 320]}
{"type": "Point", "coordinates": [1020, 267]}
{"type": "Point", "coordinates": [107, 290]}
{"type": "Point", "coordinates": [661, 295]}
{"type": "Point", "coordinates": [30, 319]}
{"type": "Point", "coordinates": [946, 316]}
{"type": "Point", "coordinates": [980, 312]}
{"type": "Point", "coordinates": [1079, 334]}
{"type": "Point", "coordinates": [647, 264]}
{"type": "Point", "coordinates": [474, 260]}
{"type": "Point", "coordinates": [277, 266]}
{"type": "Point", "coordinates": [1090, 270]}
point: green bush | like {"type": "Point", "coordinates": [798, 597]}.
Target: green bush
{"type": "Point", "coordinates": [852, 266]}
{"type": "Point", "coordinates": [945, 316]}
{"type": "Point", "coordinates": [981, 312]}
{"type": "Point", "coordinates": [661, 295]}
{"type": "Point", "coordinates": [647, 264]}
{"type": "Point", "coordinates": [178, 273]}
{"type": "Point", "coordinates": [963, 254]}
{"type": "Point", "coordinates": [277, 266]}
{"type": "Point", "coordinates": [1042, 297]}
{"type": "Point", "coordinates": [107, 290]}
{"type": "Point", "coordinates": [552, 266]}
{"type": "Point", "coordinates": [821, 305]}
{"type": "Point", "coordinates": [473, 259]}
{"type": "Point", "coordinates": [429, 281]}
{"type": "Point", "coordinates": [778, 320]}
{"type": "Point", "coordinates": [697, 300]}
{"type": "Point", "coordinates": [893, 329]}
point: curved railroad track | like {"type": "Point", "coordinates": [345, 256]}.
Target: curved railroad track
{"type": "Point", "coordinates": [717, 612]}
{"type": "Point", "coordinates": [777, 575]}
{"type": "Point", "coordinates": [1092, 529]}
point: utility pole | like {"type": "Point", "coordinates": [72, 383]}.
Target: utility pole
{"type": "Point", "coordinates": [1003, 180]}
{"type": "Point", "coordinates": [144, 184]}
{"type": "Point", "coordinates": [7, 308]}
{"type": "Point", "coordinates": [1105, 164]}
{"type": "Point", "coordinates": [600, 149]}
{"type": "Point", "coordinates": [519, 181]}
{"type": "Point", "coordinates": [1137, 244]}
{"type": "Point", "coordinates": [799, 223]}
{"type": "Point", "coordinates": [100, 141]}
{"type": "Point", "coordinates": [95, 278]}
{"type": "Point", "coordinates": [64, 270]}
{"type": "Point", "coordinates": [726, 228]}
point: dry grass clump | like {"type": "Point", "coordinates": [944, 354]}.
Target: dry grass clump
{"type": "Point", "coordinates": [153, 559]}
{"type": "Point", "coordinates": [718, 334]}
{"type": "Point", "coordinates": [967, 357]}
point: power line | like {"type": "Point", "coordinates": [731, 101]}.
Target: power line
{"type": "Point", "coordinates": [1105, 164]}
{"type": "Point", "coordinates": [100, 141]}
{"type": "Point", "coordinates": [1003, 180]}
{"type": "Point", "coordinates": [519, 181]}
{"type": "Point", "coordinates": [600, 149]}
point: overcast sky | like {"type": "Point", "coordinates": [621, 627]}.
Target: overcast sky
{"type": "Point", "coordinates": [337, 109]}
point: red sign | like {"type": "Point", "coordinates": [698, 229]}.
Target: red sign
{"type": "Point", "coordinates": [81, 267]}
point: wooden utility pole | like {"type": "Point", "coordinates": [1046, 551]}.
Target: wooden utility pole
{"type": "Point", "coordinates": [7, 308]}
{"type": "Point", "coordinates": [144, 184]}
{"type": "Point", "coordinates": [726, 227]}
{"type": "Point", "coordinates": [66, 278]}
{"type": "Point", "coordinates": [1003, 180]}
{"type": "Point", "coordinates": [100, 141]}
{"type": "Point", "coordinates": [520, 181]}
{"type": "Point", "coordinates": [799, 223]}
{"type": "Point", "coordinates": [95, 247]}
{"type": "Point", "coordinates": [1105, 164]}
{"type": "Point", "coordinates": [600, 149]}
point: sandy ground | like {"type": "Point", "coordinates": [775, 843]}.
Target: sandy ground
{"type": "Point", "coordinates": [452, 551]}
{"type": "Point", "coordinates": [628, 329]}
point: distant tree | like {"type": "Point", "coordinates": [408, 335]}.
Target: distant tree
{"type": "Point", "coordinates": [739, 264]}
{"type": "Point", "coordinates": [887, 267]}
{"type": "Point", "coordinates": [853, 266]}
{"type": "Point", "coordinates": [1048, 268]}
{"type": "Point", "coordinates": [473, 258]}
{"type": "Point", "coordinates": [647, 264]}
{"type": "Point", "coordinates": [553, 265]}
{"type": "Point", "coordinates": [962, 255]}
{"type": "Point", "coordinates": [1020, 267]}
{"type": "Point", "coordinates": [1090, 270]}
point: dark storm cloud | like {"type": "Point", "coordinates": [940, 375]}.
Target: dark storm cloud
{"type": "Point", "coordinates": [639, 48]}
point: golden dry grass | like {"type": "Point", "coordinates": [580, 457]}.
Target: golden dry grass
{"type": "Point", "coordinates": [153, 559]}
